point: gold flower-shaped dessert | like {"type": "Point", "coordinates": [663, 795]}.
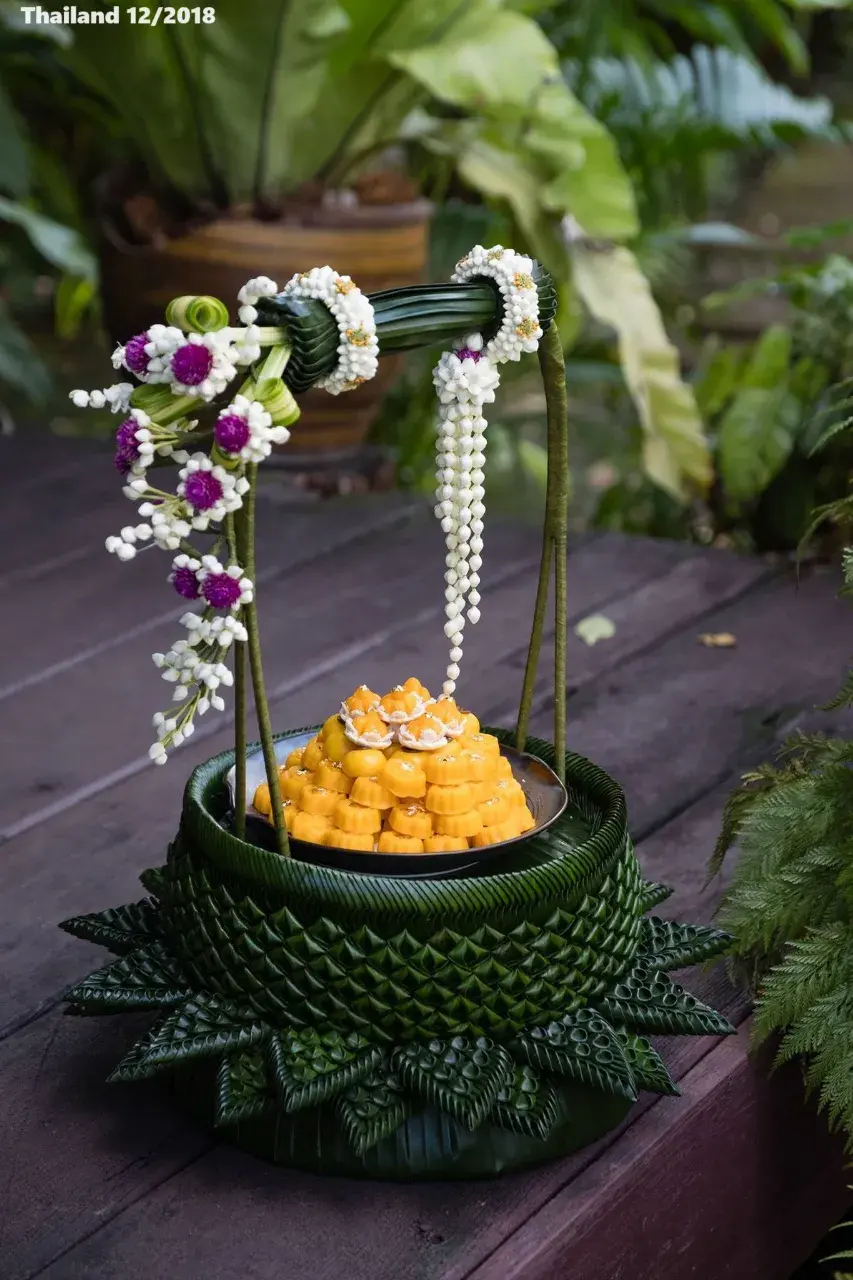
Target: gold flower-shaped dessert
{"type": "Point", "coordinates": [367, 729]}
{"type": "Point", "coordinates": [400, 706]}
{"type": "Point", "coordinates": [426, 733]}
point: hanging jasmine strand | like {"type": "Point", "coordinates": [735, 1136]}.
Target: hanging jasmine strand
{"type": "Point", "coordinates": [465, 380]}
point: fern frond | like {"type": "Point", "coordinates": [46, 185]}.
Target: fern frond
{"type": "Point", "coordinates": [811, 969]}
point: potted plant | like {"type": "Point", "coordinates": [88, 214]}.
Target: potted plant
{"type": "Point", "coordinates": [261, 136]}
{"type": "Point", "coordinates": [325, 1002]}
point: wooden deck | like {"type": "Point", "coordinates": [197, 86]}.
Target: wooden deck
{"type": "Point", "coordinates": [734, 1181]}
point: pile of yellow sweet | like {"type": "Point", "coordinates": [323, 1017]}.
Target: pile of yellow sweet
{"type": "Point", "coordinates": [403, 773]}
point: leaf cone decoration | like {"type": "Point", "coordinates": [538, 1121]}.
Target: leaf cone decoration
{"type": "Point", "coordinates": [338, 1023]}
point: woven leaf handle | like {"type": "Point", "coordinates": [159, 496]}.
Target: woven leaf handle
{"type": "Point", "coordinates": [417, 316]}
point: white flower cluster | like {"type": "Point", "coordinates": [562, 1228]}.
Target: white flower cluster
{"type": "Point", "coordinates": [519, 331]}
{"type": "Point", "coordinates": [166, 356]}
{"type": "Point", "coordinates": [116, 398]}
{"type": "Point", "coordinates": [465, 380]}
{"type": "Point", "coordinates": [358, 349]}
{"type": "Point", "coordinates": [262, 435]}
{"type": "Point", "coordinates": [253, 290]}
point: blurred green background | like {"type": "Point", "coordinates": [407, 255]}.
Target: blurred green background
{"type": "Point", "coordinates": [683, 167]}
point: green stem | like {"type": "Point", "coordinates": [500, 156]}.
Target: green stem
{"type": "Point", "coordinates": [553, 365]}
{"type": "Point", "coordinates": [535, 645]}
{"type": "Point", "coordinates": [262, 710]}
{"type": "Point", "coordinates": [234, 534]}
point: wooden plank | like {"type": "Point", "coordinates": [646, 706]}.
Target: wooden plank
{"type": "Point", "coordinates": [94, 1175]}
{"type": "Point", "coordinates": [308, 621]}
{"type": "Point", "coordinates": [89, 855]}
{"type": "Point", "coordinates": [738, 1177]}
{"type": "Point", "coordinates": [82, 602]}
{"type": "Point", "coordinates": [426, 1231]}
{"type": "Point", "coordinates": [671, 723]}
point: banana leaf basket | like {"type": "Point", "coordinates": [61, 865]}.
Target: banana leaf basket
{"type": "Point", "coordinates": [371, 1025]}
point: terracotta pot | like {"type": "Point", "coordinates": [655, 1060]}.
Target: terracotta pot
{"type": "Point", "coordinates": [381, 247]}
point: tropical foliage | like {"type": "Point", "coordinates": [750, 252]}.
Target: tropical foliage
{"type": "Point", "coordinates": [789, 904]}
{"type": "Point", "coordinates": [42, 251]}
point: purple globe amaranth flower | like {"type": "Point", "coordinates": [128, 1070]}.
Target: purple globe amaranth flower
{"type": "Point", "coordinates": [468, 353]}
{"type": "Point", "coordinates": [127, 450]}
{"type": "Point", "coordinates": [221, 590]}
{"type": "Point", "coordinates": [202, 490]}
{"type": "Point", "coordinates": [191, 363]}
{"type": "Point", "coordinates": [185, 583]}
{"type": "Point", "coordinates": [135, 357]}
{"type": "Point", "coordinates": [231, 432]}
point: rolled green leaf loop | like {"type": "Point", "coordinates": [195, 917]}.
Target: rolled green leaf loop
{"type": "Point", "coordinates": [200, 314]}
{"type": "Point", "coordinates": [278, 401]}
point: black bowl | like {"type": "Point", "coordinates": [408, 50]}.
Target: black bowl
{"type": "Point", "coordinates": [546, 796]}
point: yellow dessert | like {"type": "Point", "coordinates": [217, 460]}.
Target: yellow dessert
{"type": "Point", "coordinates": [293, 780]}
{"type": "Point", "coordinates": [446, 768]}
{"type": "Point", "coordinates": [313, 754]}
{"type": "Point", "coordinates": [370, 792]}
{"type": "Point", "coordinates": [453, 719]}
{"type": "Point", "coordinates": [330, 774]}
{"type": "Point", "coordinates": [485, 742]}
{"type": "Point", "coordinates": [310, 826]}
{"type": "Point", "coordinates": [450, 799]}
{"type": "Point", "coordinates": [404, 777]}
{"type": "Point", "coordinates": [368, 729]}
{"type": "Point", "coordinates": [350, 840]}
{"type": "Point", "coordinates": [480, 766]}
{"type": "Point", "coordinates": [391, 842]}
{"type": "Point", "coordinates": [459, 824]}
{"type": "Point", "coordinates": [400, 772]}
{"type": "Point", "coordinates": [357, 818]}
{"type": "Point", "coordinates": [336, 745]}
{"type": "Point", "coordinates": [426, 733]}
{"type": "Point", "coordinates": [319, 801]}
{"type": "Point", "coordinates": [411, 819]}
{"type": "Point", "coordinates": [503, 768]}
{"type": "Point", "coordinates": [445, 844]}
{"type": "Point", "coordinates": [400, 705]}
{"type": "Point", "coordinates": [364, 763]}
{"type": "Point", "coordinates": [494, 810]}
{"type": "Point", "coordinates": [413, 685]}
{"type": "Point", "coordinates": [363, 699]}
{"type": "Point", "coordinates": [494, 834]}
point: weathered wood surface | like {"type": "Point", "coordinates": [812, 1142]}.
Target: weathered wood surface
{"type": "Point", "coordinates": [734, 1180]}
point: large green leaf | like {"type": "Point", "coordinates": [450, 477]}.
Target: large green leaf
{"type": "Point", "coordinates": [61, 246]}
{"type": "Point", "coordinates": [261, 71]}
{"type": "Point", "coordinates": [756, 437]}
{"type": "Point", "coordinates": [675, 452]}
{"type": "Point", "coordinates": [20, 365]}
{"type": "Point", "coordinates": [14, 155]}
{"type": "Point", "coordinates": [499, 66]}
{"type": "Point", "coordinates": [141, 72]}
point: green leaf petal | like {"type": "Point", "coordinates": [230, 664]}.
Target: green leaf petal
{"type": "Point", "coordinates": [307, 1068]}
{"type": "Point", "coordinates": [672, 946]}
{"type": "Point", "coordinates": [582, 1046]}
{"type": "Point", "coordinates": [145, 979]}
{"type": "Point", "coordinates": [528, 1105]}
{"type": "Point", "coordinates": [653, 895]}
{"type": "Point", "coordinates": [647, 1000]}
{"type": "Point", "coordinates": [120, 929]}
{"type": "Point", "coordinates": [372, 1109]}
{"type": "Point", "coordinates": [242, 1088]}
{"type": "Point", "coordinates": [461, 1076]}
{"type": "Point", "coordinates": [675, 452]}
{"type": "Point", "coordinates": [648, 1066]}
{"type": "Point", "coordinates": [203, 1027]}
